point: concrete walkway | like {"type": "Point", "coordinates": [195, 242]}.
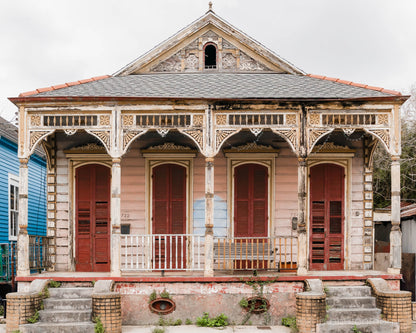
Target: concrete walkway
{"type": "Point", "coordinates": [193, 328]}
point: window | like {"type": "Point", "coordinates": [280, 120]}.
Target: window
{"type": "Point", "coordinates": [13, 206]}
{"type": "Point", "coordinates": [210, 56]}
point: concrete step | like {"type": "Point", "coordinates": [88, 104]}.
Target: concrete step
{"type": "Point", "coordinates": [70, 292]}
{"type": "Point", "coordinates": [351, 302]}
{"type": "Point", "coordinates": [64, 316]}
{"type": "Point", "coordinates": [339, 315]}
{"type": "Point", "coordinates": [348, 291]}
{"type": "Point", "coordinates": [367, 326]}
{"type": "Point", "coordinates": [67, 304]}
{"type": "Point", "coordinates": [79, 327]}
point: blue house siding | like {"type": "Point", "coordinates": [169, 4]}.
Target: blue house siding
{"type": "Point", "coordinates": [9, 164]}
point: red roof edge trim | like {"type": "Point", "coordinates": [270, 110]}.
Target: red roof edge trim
{"type": "Point", "coordinates": [60, 86]}
{"type": "Point", "coordinates": [350, 83]}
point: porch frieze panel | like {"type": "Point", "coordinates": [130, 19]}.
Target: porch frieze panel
{"type": "Point", "coordinates": [177, 120]}
{"type": "Point", "coordinates": [348, 119]}
{"type": "Point", "coordinates": [266, 119]}
{"type": "Point", "coordinates": [69, 121]}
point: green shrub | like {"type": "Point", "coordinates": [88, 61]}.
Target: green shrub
{"type": "Point", "coordinates": [54, 284]}
{"type": "Point", "coordinates": [164, 294]}
{"type": "Point", "coordinates": [188, 321]}
{"type": "Point", "coordinates": [289, 322]}
{"type": "Point", "coordinates": [99, 327]}
{"type": "Point", "coordinates": [205, 321]}
{"type": "Point", "coordinates": [34, 318]}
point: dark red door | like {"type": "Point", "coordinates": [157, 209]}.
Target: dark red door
{"type": "Point", "coordinates": [169, 216]}
{"type": "Point", "coordinates": [251, 208]}
{"type": "Point", "coordinates": [326, 217]}
{"type": "Point", "coordinates": [92, 218]}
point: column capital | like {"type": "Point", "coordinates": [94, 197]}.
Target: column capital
{"type": "Point", "coordinates": [23, 162]}
{"type": "Point", "coordinates": [395, 158]}
{"type": "Point", "coordinates": [116, 160]}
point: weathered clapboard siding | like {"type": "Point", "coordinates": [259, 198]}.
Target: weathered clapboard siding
{"type": "Point", "coordinates": [286, 191]}
{"type": "Point", "coordinates": [133, 191]}
{"type": "Point", "coordinates": [63, 258]}
{"type": "Point", "coordinates": [9, 164]}
{"type": "Point", "coordinates": [355, 232]}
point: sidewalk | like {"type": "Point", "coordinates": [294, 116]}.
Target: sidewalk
{"type": "Point", "coordinates": [193, 328]}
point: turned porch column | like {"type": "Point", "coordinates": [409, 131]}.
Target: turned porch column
{"type": "Point", "coordinates": [395, 233]}
{"type": "Point", "coordinates": [209, 216]}
{"type": "Point", "coordinates": [302, 240]}
{"type": "Point", "coordinates": [23, 268]}
{"type": "Point", "coordinates": [115, 216]}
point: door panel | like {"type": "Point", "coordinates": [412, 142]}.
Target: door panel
{"type": "Point", "coordinates": [250, 208]}
{"type": "Point", "coordinates": [92, 218]}
{"type": "Point", "coordinates": [169, 215]}
{"type": "Point", "coordinates": [326, 217]}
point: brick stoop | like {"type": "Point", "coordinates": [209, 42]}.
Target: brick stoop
{"type": "Point", "coordinates": [353, 306]}
{"type": "Point", "coordinates": [67, 310]}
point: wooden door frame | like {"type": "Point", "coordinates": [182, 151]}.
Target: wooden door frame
{"type": "Point", "coordinates": [155, 159]}
{"type": "Point", "coordinates": [237, 159]}
{"type": "Point", "coordinates": [76, 160]}
{"type": "Point", "coordinates": [344, 160]}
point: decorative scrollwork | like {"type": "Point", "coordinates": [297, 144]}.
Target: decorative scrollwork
{"type": "Point", "coordinates": [105, 120]}
{"type": "Point", "coordinates": [168, 146]}
{"type": "Point", "coordinates": [35, 136]}
{"type": "Point", "coordinates": [197, 135]}
{"type": "Point", "coordinates": [383, 119]}
{"type": "Point", "coordinates": [314, 119]}
{"type": "Point", "coordinates": [348, 131]}
{"type": "Point", "coordinates": [70, 131]}
{"type": "Point", "coordinates": [128, 120]}
{"type": "Point", "coordinates": [198, 120]}
{"type": "Point", "coordinates": [314, 135]}
{"type": "Point", "coordinates": [256, 131]}
{"type": "Point", "coordinates": [163, 131]}
{"type": "Point", "coordinates": [104, 136]}
{"type": "Point", "coordinates": [128, 136]}
{"type": "Point", "coordinates": [221, 119]}
{"type": "Point", "coordinates": [221, 136]}
{"type": "Point", "coordinates": [291, 119]}
{"type": "Point", "coordinates": [383, 135]}
{"type": "Point", "coordinates": [35, 120]}
{"type": "Point", "coordinates": [290, 136]}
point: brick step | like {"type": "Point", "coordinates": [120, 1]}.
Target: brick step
{"type": "Point", "coordinates": [78, 327]}
{"type": "Point", "coordinates": [351, 302]}
{"type": "Point", "coordinates": [351, 314]}
{"type": "Point", "coordinates": [367, 326]}
{"type": "Point", "coordinates": [64, 316]}
{"type": "Point", "coordinates": [70, 292]}
{"type": "Point", "coordinates": [67, 304]}
{"type": "Point", "coordinates": [348, 291]}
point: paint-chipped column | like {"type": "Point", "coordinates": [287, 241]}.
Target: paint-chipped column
{"type": "Point", "coordinates": [115, 216]}
{"type": "Point", "coordinates": [209, 216]}
{"type": "Point", "coordinates": [302, 241]}
{"type": "Point", "coordinates": [395, 233]}
{"type": "Point", "coordinates": [23, 237]}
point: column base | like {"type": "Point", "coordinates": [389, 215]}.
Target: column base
{"type": "Point", "coordinates": [302, 271]}
{"type": "Point", "coordinates": [23, 273]}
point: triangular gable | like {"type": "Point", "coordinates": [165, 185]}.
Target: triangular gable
{"type": "Point", "coordinates": [183, 52]}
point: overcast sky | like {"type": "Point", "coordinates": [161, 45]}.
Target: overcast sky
{"type": "Point", "coordinates": [49, 42]}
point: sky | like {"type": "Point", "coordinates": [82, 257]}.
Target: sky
{"type": "Point", "coordinates": [49, 42]}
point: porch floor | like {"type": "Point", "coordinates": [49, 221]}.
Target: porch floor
{"type": "Point", "coordinates": [358, 275]}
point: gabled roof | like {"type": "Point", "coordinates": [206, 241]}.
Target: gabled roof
{"type": "Point", "coordinates": [208, 21]}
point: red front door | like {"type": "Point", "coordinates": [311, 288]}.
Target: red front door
{"type": "Point", "coordinates": [326, 217]}
{"type": "Point", "coordinates": [92, 218]}
{"type": "Point", "coordinates": [169, 216]}
{"type": "Point", "coordinates": [251, 207]}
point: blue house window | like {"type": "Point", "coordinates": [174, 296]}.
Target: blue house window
{"type": "Point", "coordinates": [13, 206]}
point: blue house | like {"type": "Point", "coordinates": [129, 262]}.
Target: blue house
{"type": "Point", "coordinates": [9, 197]}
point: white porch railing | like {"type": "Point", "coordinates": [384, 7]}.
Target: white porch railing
{"type": "Point", "coordinates": [172, 252]}
{"type": "Point", "coordinates": [264, 253]}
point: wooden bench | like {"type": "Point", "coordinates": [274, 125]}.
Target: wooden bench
{"type": "Point", "coordinates": [245, 255]}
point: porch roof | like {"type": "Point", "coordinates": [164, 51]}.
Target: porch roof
{"type": "Point", "coordinates": [217, 85]}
